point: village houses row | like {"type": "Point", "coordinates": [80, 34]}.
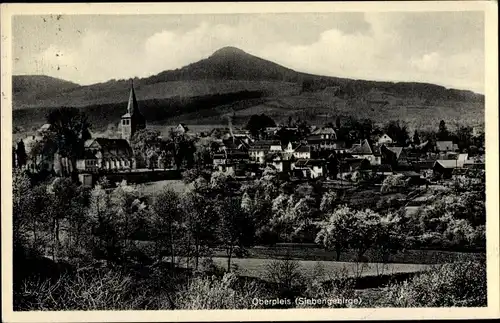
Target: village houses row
{"type": "Point", "coordinates": [320, 154]}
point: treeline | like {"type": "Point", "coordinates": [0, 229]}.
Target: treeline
{"type": "Point", "coordinates": [156, 110]}
{"type": "Point", "coordinates": [152, 245]}
{"type": "Point", "coordinates": [65, 219]}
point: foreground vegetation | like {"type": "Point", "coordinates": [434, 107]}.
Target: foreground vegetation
{"type": "Point", "coordinates": [450, 285]}
{"type": "Point", "coordinates": [158, 248]}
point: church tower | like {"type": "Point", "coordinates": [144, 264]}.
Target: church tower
{"type": "Point", "coordinates": [133, 120]}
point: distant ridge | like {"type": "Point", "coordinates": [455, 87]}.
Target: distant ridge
{"type": "Point", "coordinates": [40, 84]}
{"type": "Point", "coordinates": [225, 64]}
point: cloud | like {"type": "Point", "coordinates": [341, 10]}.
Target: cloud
{"type": "Point", "coordinates": [427, 63]}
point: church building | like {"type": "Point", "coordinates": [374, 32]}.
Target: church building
{"type": "Point", "coordinates": [115, 154]}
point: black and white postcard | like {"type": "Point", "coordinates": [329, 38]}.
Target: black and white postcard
{"type": "Point", "coordinates": [249, 161]}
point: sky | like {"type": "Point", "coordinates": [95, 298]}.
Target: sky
{"type": "Point", "coordinates": [445, 48]}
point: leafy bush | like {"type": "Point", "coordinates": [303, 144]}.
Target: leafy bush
{"type": "Point", "coordinates": [99, 290]}
{"type": "Point", "coordinates": [458, 284]}
{"type": "Point", "coordinates": [287, 277]}
{"type": "Point", "coordinates": [205, 293]}
{"type": "Point", "coordinates": [339, 286]}
{"type": "Point", "coordinates": [393, 183]}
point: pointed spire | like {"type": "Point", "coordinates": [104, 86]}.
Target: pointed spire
{"type": "Point", "coordinates": [132, 100]}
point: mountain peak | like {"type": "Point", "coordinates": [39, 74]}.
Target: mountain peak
{"type": "Point", "coordinates": [228, 50]}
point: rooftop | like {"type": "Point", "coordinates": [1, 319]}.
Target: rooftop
{"type": "Point", "coordinates": [447, 163]}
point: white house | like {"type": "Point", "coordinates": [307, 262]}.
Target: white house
{"type": "Point", "coordinates": [309, 168]}
{"type": "Point", "coordinates": [385, 140]}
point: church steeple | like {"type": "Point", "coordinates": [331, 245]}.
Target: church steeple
{"type": "Point", "coordinates": [133, 120]}
{"type": "Point", "coordinates": [132, 107]}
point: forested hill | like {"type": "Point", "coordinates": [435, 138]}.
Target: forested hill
{"type": "Point", "coordinates": [227, 70]}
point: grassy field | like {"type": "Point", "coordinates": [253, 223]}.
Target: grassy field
{"type": "Point", "coordinates": [312, 252]}
{"type": "Point", "coordinates": [155, 187]}
{"type": "Point", "coordinates": [323, 270]}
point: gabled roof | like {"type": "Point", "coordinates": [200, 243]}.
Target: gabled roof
{"type": "Point", "coordinates": [309, 162]}
{"type": "Point", "coordinates": [385, 136]}
{"type": "Point", "coordinates": [362, 149]}
{"type": "Point", "coordinates": [447, 163]}
{"type": "Point", "coordinates": [111, 147]}
{"type": "Point", "coordinates": [275, 156]}
{"type": "Point", "coordinates": [301, 163]}
{"type": "Point", "coordinates": [182, 126]}
{"type": "Point", "coordinates": [396, 150]}
{"type": "Point", "coordinates": [263, 145]}
{"type": "Point", "coordinates": [235, 144]}
{"type": "Point", "coordinates": [324, 131]}
{"type": "Point", "coordinates": [44, 127]}
{"type": "Point", "coordinates": [409, 173]}
{"type": "Point", "coordinates": [422, 145]}
{"type": "Point", "coordinates": [315, 137]}
{"type": "Point", "coordinates": [303, 149]}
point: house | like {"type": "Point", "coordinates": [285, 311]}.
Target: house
{"type": "Point", "coordinates": [219, 159]}
{"type": "Point", "coordinates": [279, 163]}
{"type": "Point", "coordinates": [324, 139]}
{"type": "Point", "coordinates": [444, 168]}
{"type": "Point", "coordinates": [234, 143]}
{"type": "Point", "coordinates": [383, 170]}
{"type": "Point", "coordinates": [230, 156]}
{"type": "Point", "coordinates": [311, 168]}
{"type": "Point", "coordinates": [394, 156]}
{"type": "Point", "coordinates": [111, 154]}
{"type": "Point", "coordinates": [181, 129]}
{"type": "Point", "coordinates": [364, 150]}
{"type": "Point", "coordinates": [325, 133]}
{"type": "Point", "coordinates": [258, 154]}
{"type": "Point", "coordinates": [259, 149]}
{"type": "Point", "coordinates": [461, 159]}
{"type": "Point", "coordinates": [89, 162]}
{"type": "Point", "coordinates": [243, 136]}
{"type": "Point", "coordinates": [477, 130]}
{"type": "Point", "coordinates": [413, 177]}
{"type": "Point", "coordinates": [385, 140]}
{"type": "Point", "coordinates": [474, 164]}
{"type": "Point", "coordinates": [350, 165]}
{"type": "Point", "coordinates": [271, 131]}
{"type": "Point", "coordinates": [290, 148]}
{"type": "Point", "coordinates": [275, 146]}
{"type": "Point", "coordinates": [446, 146]}
{"type": "Point", "coordinates": [302, 152]}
